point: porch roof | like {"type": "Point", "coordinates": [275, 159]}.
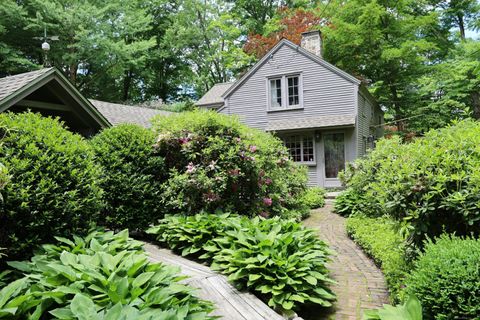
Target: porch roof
{"type": "Point", "coordinates": [312, 123]}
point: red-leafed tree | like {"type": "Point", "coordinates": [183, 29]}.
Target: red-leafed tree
{"type": "Point", "coordinates": [291, 25]}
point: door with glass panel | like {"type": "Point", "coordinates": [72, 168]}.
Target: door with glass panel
{"type": "Point", "coordinates": [334, 154]}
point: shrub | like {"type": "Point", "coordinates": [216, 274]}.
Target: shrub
{"type": "Point", "coordinates": [132, 176]}
{"type": "Point", "coordinates": [379, 238]}
{"type": "Point", "coordinates": [54, 186]}
{"type": "Point", "coordinates": [349, 202]}
{"type": "Point", "coordinates": [104, 276]}
{"type": "Point", "coordinates": [432, 183]}
{"type": "Point", "coordinates": [446, 278]}
{"type": "Point", "coordinates": [215, 162]}
{"type": "Point", "coordinates": [279, 260]}
{"type": "Point", "coordinates": [314, 197]}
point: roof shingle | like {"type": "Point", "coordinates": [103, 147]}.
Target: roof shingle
{"type": "Point", "coordinates": [312, 122]}
{"type": "Point", "coordinates": [119, 113]}
{"type": "Point", "coordinates": [10, 84]}
{"type": "Point", "coordinates": [214, 95]}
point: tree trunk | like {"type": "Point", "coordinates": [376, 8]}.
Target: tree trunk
{"type": "Point", "coordinates": [475, 96]}
{"type": "Point", "coordinates": [396, 107]}
{"type": "Point", "coordinates": [127, 82]}
{"type": "Point", "coordinates": [72, 73]}
{"type": "Point", "coordinates": [461, 26]}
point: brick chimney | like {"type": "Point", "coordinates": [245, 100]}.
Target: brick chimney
{"type": "Point", "coordinates": [312, 42]}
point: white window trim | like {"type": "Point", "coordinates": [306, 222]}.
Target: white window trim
{"type": "Point", "coordinates": [284, 89]}
{"type": "Point", "coordinates": [302, 136]}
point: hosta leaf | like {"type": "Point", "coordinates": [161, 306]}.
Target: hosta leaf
{"type": "Point", "coordinates": [11, 290]}
{"type": "Point", "coordinates": [142, 279]}
{"type": "Point", "coordinates": [83, 308]}
{"type": "Point", "coordinates": [311, 280]}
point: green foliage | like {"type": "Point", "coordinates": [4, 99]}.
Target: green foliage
{"type": "Point", "coordinates": [103, 276]}
{"type": "Point", "coordinates": [132, 176]}
{"type": "Point", "coordinates": [446, 278]}
{"type": "Point", "coordinates": [179, 106]}
{"type": "Point", "coordinates": [54, 186]}
{"type": "Point", "coordinates": [430, 185]}
{"type": "Point", "coordinates": [214, 162]}
{"type": "Point", "coordinates": [380, 239]}
{"type": "Point", "coordinates": [279, 260]}
{"type": "Point", "coordinates": [314, 197]}
{"type": "Point", "coordinates": [349, 202]}
{"type": "Point", "coordinates": [411, 310]}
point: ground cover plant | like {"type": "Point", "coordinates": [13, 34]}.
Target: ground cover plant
{"type": "Point", "coordinates": [431, 185]}
{"type": "Point", "coordinates": [215, 162]}
{"type": "Point", "coordinates": [410, 310]}
{"type": "Point", "coordinates": [446, 278]}
{"type": "Point", "coordinates": [314, 197]}
{"type": "Point", "coordinates": [131, 176]}
{"type": "Point", "coordinates": [101, 276]}
{"type": "Point", "coordinates": [380, 239]}
{"type": "Point", "coordinates": [54, 182]}
{"type": "Point", "coordinates": [279, 260]}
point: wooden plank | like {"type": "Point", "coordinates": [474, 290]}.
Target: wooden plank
{"type": "Point", "coordinates": [229, 303]}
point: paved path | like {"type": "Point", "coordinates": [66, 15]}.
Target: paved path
{"type": "Point", "coordinates": [361, 284]}
{"type": "Point", "coordinates": [230, 303]}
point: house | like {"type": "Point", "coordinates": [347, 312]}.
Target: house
{"type": "Point", "coordinates": [325, 116]}
{"type": "Point", "coordinates": [48, 92]}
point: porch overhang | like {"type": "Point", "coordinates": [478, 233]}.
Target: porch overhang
{"type": "Point", "coordinates": [334, 121]}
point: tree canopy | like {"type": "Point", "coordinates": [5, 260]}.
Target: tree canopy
{"type": "Point", "coordinates": [415, 57]}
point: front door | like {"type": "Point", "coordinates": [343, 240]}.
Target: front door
{"type": "Point", "coordinates": [334, 155]}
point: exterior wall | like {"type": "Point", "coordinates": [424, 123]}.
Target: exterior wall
{"type": "Point", "coordinates": [324, 91]}
{"type": "Point", "coordinates": [369, 117]}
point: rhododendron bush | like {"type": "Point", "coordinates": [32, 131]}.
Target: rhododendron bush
{"type": "Point", "coordinates": [216, 163]}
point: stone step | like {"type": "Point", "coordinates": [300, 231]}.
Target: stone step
{"type": "Point", "coordinates": [332, 195]}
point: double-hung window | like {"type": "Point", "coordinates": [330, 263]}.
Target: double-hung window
{"type": "Point", "coordinates": [285, 92]}
{"type": "Point", "coordinates": [301, 148]}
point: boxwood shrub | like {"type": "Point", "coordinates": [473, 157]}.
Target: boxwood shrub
{"type": "Point", "coordinates": [432, 183]}
{"type": "Point", "coordinates": [102, 276]}
{"type": "Point", "coordinates": [278, 260]}
{"type": "Point", "coordinates": [380, 239]}
{"type": "Point", "coordinates": [54, 186]}
{"type": "Point", "coordinates": [132, 176]}
{"type": "Point", "coordinates": [215, 162]}
{"type": "Point", "coordinates": [446, 278]}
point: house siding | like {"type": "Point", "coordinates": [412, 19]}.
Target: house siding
{"type": "Point", "coordinates": [368, 114]}
{"type": "Point", "coordinates": [324, 91]}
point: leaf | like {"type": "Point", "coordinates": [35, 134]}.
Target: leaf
{"type": "Point", "coordinates": [142, 279]}
{"type": "Point", "coordinates": [83, 308]}
{"type": "Point", "coordinates": [311, 280]}
{"type": "Point", "coordinates": [11, 290]}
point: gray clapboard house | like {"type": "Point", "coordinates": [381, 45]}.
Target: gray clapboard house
{"type": "Point", "coordinates": [325, 116]}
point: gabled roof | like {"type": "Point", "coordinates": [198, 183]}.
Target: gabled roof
{"type": "Point", "coordinates": [285, 42]}
{"type": "Point", "coordinates": [312, 123]}
{"type": "Point", "coordinates": [120, 113]}
{"type": "Point", "coordinates": [13, 89]}
{"type": "Point", "coordinates": [214, 95]}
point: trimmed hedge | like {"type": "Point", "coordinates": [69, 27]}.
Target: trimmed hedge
{"type": "Point", "coordinates": [132, 176]}
{"type": "Point", "coordinates": [102, 276]}
{"type": "Point", "coordinates": [433, 183]}
{"type": "Point", "coordinates": [380, 239]}
{"type": "Point", "coordinates": [54, 186]}
{"type": "Point", "coordinates": [446, 278]}
{"type": "Point", "coordinates": [279, 260]}
{"type": "Point", "coordinates": [215, 162]}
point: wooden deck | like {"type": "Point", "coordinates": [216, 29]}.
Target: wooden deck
{"type": "Point", "coordinates": [229, 303]}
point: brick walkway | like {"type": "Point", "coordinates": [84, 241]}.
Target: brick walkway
{"type": "Point", "coordinates": [361, 284]}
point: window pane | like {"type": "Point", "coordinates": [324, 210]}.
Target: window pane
{"type": "Point", "coordinates": [294, 146]}
{"type": "Point", "coordinates": [308, 154]}
{"type": "Point", "coordinates": [293, 97]}
{"type": "Point", "coordinates": [276, 93]}
{"type": "Point", "coordinates": [334, 154]}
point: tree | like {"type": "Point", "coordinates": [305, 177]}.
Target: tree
{"type": "Point", "coordinates": [289, 24]}
{"type": "Point", "coordinates": [461, 14]}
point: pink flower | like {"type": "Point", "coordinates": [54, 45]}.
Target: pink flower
{"type": "Point", "coordinates": [264, 214]}
{"type": "Point", "coordinates": [253, 148]}
{"type": "Point", "coordinates": [268, 181]}
{"type": "Point", "coordinates": [261, 173]}
{"type": "Point", "coordinates": [184, 140]}
{"type": "Point", "coordinates": [267, 201]}
{"type": "Point", "coordinates": [234, 172]}
{"type": "Point", "coordinates": [238, 139]}
{"type": "Point", "coordinates": [191, 168]}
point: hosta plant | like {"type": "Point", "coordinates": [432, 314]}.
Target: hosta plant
{"type": "Point", "coordinates": [410, 310]}
{"type": "Point", "coordinates": [104, 276]}
{"type": "Point", "coordinates": [279, 260]}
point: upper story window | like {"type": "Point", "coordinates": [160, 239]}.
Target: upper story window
{"type": "Point", "coordinates": [285, 92]}
{"type": "Point", "coordinates": [301, 148]}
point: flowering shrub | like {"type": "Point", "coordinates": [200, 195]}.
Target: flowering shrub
{"type": "Point", "coordinates": [431, 185]}
{"type": "Point", "coordinates": [215, 162]}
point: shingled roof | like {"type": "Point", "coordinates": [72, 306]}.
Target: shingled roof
{"type": "Point", "coordinates": [312, 123]}
{"type": "Point", "coordinates": [120, 113]}
{"type": "Point", "coordinates": [213, 97]}
{"type": "Point", "coordinates": [9, 85]}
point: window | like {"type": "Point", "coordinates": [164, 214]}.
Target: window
{"type": "Point", "coordinates": [293, 98]}
{"type": "Point", "coordinates": [300, 148]}
{"type": "Point", "coordinates": [285, 92]}
{"type": "Point", "coordinates": [334, 147]}
{"type": "Point", "coordinates": [276, 93]}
